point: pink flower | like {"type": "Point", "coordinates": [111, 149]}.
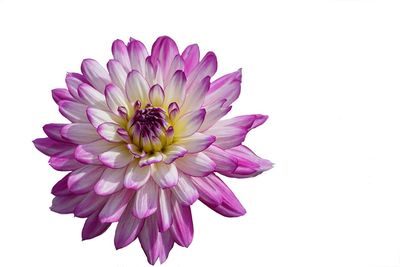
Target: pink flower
{"type": "Point", "coordinates": [146, 141]}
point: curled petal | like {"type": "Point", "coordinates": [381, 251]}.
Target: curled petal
{"type": "Point", "coordinates": [118, 73]}
{"type": "Point", "coordinates": [109, 131]}
{"type": "Point", "coordinates": [92, 203]}
{"type": "Point", "coordinates": [53, 131]}
{"type": "Point", "coordinates": [206, 67]}
{"type": "Point", "coordinates": [175, 90]}
{"type": "Point", "coordinates": [51, 147]}
{"type": "Point", "coordinates": [164, 51]}
{"type": "Point", "coordinates": [227, 87]}
{"type": "Point", "coordinates": [65, 204]}
{"type": "Point", "coordinates": [228, 136]}
{"type": "Point", "coordinates": [115, 98]}
{"type": "Point", "coordinates": [60, 94]}
{"type": "Point", "coordinates": [156, 95]}
{"type": "Point", "coordinates": [172, 152]}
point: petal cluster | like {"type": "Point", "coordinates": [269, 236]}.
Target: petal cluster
{"type": "Point", "coordinates": [145, 141]}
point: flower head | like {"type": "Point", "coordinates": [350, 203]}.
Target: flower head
{"type": "Point", "coordinates": [146, 140]}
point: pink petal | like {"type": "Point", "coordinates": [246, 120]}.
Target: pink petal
{"type": "Point", "coordinates": [51, 147]}
{"type": "Point", "coordinates": [80, 133]}
{"type": "Point", "coordinates": [89, 153]}
{"type": "Point", "coordinates": [182, 226]}
{"type": "Point", "coordinates": [128, 229]}
{"type": "Point", "coordinates": [197, 142]}
{"type": "Point", "coordinates": [214, 112]}
{"type": "Point", "coordinates": [95, 74]}
{"type": "Point", "coordinates": [189, 123]}
{"type": "Point", "coordinates": [196, 164]}
{"type": "Point", "coordinates": [208, 193]}
{"type": "Point", "coordinates": [93, 227]}
{"type": "Point", "coordinates": [109, 131]}
{"type": "Point", "coordinates": [227, 87]}
{"type": "Point", "coordinates": [73, 111]}
{"type": "Point", "coordinates": [65, 204]}
{"type": "Point", "coordinates": [145, 201]}
{"type": "Point", "coordinates": [224, 161]}
{"type": "Point", "coordinates": [228, 136]}
{"type": "Point", "coordinates": [177, 64]}
{"type": "Point", "coordinates": [150, 159]}
{"type": "Point", "coordinates": [206, 67]}
{"type": "Point", "coordinates": [83, 179]}
{"type": "Point", "coordinates": [115, 206]}
{"type": "Point", "coordinates": [98, 116]}
{"type": "Point", "coordinates": [91, 96]}
{"type": "Point", "coordinates": [118, 73]}
{"type": "Point", "coordinates": [164, 51]}
{"type": "Point", "coordinates": [136, 176]}
{"type": "Point", "coordinates": [175, 90]}
{"type": "Point", "coordinates": [195, 98]}
{"type": "Point", "coordinates": [191, 56]}
{"type": "Point", "coordinates": [148, 238]}
{"type": "Point", "coordinates": [89, 205]}
{"type": "Point", "coordinates": [247, 122]}
{"type": "Point", "coordinates": [110, 181]}
{"type": "Point", "coordinates": [166, 242]}
{"type": "Point", "coordinates": [53, 130]}
{"type": "Point", "coordinates": [120, 53]}
{"type": "Point", "coordinates": [73, 80]}
{"type": "Point", "coordinates": [61, 187]}
{"type": "Point", "coordinates": [165, 175]}
{"type": "Point", "coordinates": [137, 55]}
{"type": "Point", "coordinates": [172, 152]}
{"type": "Point", "coordinates": [184, 191]}
{"type": "Point", "coordinates": [164, 212]}
{"type": "Point", "coordinates": [61, 94]}
{"type": "Point", "coordinates": [61, 163]}
{"type": "Point", "coordinates": [116, 157]}
{"type": "Point", "coordinates": [116, 98]}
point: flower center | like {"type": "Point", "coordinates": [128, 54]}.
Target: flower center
{"type": "Point", "coordinates": [149, 128]}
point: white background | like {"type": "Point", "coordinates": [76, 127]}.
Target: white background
{"type": "Point", "coordinates": [327, 73]}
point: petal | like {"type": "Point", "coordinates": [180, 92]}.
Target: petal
{"type": "Point", "coordinates": [93, 227]}
{"type": "Point", "coordinates": [196, 164]}
{"type": "Point", "coordinates": [98, 116]}
{"type": "Point", "coordinates": [137, 55]}
{"type": "Point", "coordinates": [61, 163]}
{"type": "Point", "coordinates": [136, 176]}
{"type": "Point", "coordinates": [115, 206]}
{"type": "Point", "coordinates": [182, 226]}
{"type": "Point", "coordinates": [116, 98]}
{"type": "Point", "coordinates": [174, 91]}
{"type": "Point", "coordinates": [172, 152]}
{"type": "Point", "coordinates": [137, 87]}
{"type": "Point", "coordinates": [50, 147]}
{"type": "Point", "coordinates": [89, 205]}
{"type": "Point", "coordinates": [53, 130]}
{"type": "Point", "coordinates": [150, 159]}
{"type": "Point", "coordinates": [120, 53]}
{"type": "Point", "coordinates": [65, 204]}
{"type": "Point", "coordinates": [164, 51]}
{"type": "Point", "coordinates": [80, 133]}
{"type": "Point", "coordinates": [184, 191]}
{"type": "Point", "coordinates": [191, 56]}
{"type": "Point", "coordinates": [128, 229]}
{"type": "Point", "coordinates": [91, 96]}
{"type": "Point", "coordinates": [227, 87]}
{"type": "Point", "coordinates": [164, 210]}
{"type": "Point", "coordinates": [95, 74]}
{"type": "Point", "coordinates": [83, 179]}
{"type": "Point", "coordinates": [145, 201]}
{"type": "Point", "coordinates": [166, 242]}
{"type": "Point", "coordinates": [189, 123]}
{"type": "Point", "coordinates": [247, 122]}
{"type": "Point", "coordinates": [249, 164]}
{"type": "Point", "coordinates": [111, 181]}
{"type": "Point", "coordinates": [206, 67]}
{"type": "Point", "coordinates": [214, 112]}
{"type": "Point", "coordinates": [89, 153]}
{"type": "Point", "coordinates": [118, 73]}
{"type": "Point", "coordinates": [108, 131]}
{"type": "Point", "coordinates": [208, 193]}
{"type": "Point", "coordinates": [61, 187]}
{"type": "Point", "coordinates": [61, 94]}
{"type": "Point", "coordinates": [116, 157]}
{"type": "Point", "coordinates": [165, 175]}
{"type": "Point", "coordinates": [73, 111]}
{"type": "Point", "coordinates": [197, 142]}
{"type": "Point", "coordinates": [195, 98]}
{"type": "Point", "coordinates": [73, 80]}
{"type": "Point", "coordinates": [156, 96]}
{"type": "Point", "coordinates": [224, 161]}
{"type": "Point", "coordinates": [227, 136]}
{"type": "Point", "coordinates": [177, 64]}
{"type": "Point", "coordinates": [148, 238]}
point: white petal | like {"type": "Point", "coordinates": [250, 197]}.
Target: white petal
{"type": "Point", "coordinates": [136, 176]}
{"type": "Point", "coordinates": [165, 175]}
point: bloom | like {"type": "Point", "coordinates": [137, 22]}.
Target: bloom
{"type": "Point", "coordinates": [146, 141]}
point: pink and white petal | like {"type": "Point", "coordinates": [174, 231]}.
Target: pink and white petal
{"type": "Point", "coordinates": [110, 181]}
{"type": "Point", "coordinates": [93, 227]}
{"type": "Point", "coordinates": [247, 122]}
{"type": "Point", "coordinates": [249, 164]}
{"type": "Point", "coordinates": [91, 96]}
{"type": "Point", "coordinates": [164, 212]}
{"type": "Point", "coordinates": [196, 164]}
{"type": "Point", "coordinates": [156, 96]}
{"type": "Point", "coordinates": [115, 98]}
{"type": "Point", "coordinates": [89, 153]}
{"type": "Point", "coordinates": [185, 192]}
{"type": "Point", "coordinates": [117, 157]}
{"type": "Point", "coordinates": [148, 238]}
{"type": "Point", "coordinates": [197, 142]}
{"type": "Point", "coordinates": [191, 56]}
{"type": "Point", "coordinates": [137, 55]}
{"type": "Point", "coordinates": [227, 136]}
{"type": "Point", "coordinates": [189, 123]}
{"type": "Point", "coordinates": [225, 162]}
{"type": "Point", "coordinates": [172, 152]}
{"type": "Point", "coordinates": [89, 205]}
{"type": "Point", "coordinates": [108, 131]}
{"type": "Point", "coordinates": [65, 204]}
{"type": "Point", "coordinates": [61, 163]}
{"type": "Point", "coordinates": [51, 147]}
{"type": "Point", "coordinates": [73, 80]}
{"type": "Point", "coordinates": [53, 131]}
{"type": "Point", "coordinates": [83, 179]}
{"type": "Point", "coordinates": [207, 191]}
{"type": "Point", "coordinates": [206, 67]}
{"type": "Point", "coordinates": [136, 176]}
{"type": "Point", "coordinates": [60, 94]}
{"type": "Point", "coordinates": [117, 73]}
{"type": "Point", "coordinates": [214, 112]}
{"type": "Point", "coordinates": [175, 90]}
{"type": "Point", "coordinates": [95, 74]}
{"type": "Point", "coordinates": [226, 87]}
{"type": "Point", "coordinates": [165, 175]}
{"type": "Point", "coordinates": [177, 64]}
{"type": "Point", "coordinates": [115, 206]}
{"type": "Point", "coordinates": [182, 226]}
{"type": "Point", "coordinates": [79, 133]}
{"type": "Point", "coordinates": [166, 242]}
{"type": "Point", "coordinates": [195, 98]}
{"type": "Point", "coordinates": [128, 229]}
{"type": "Point", "coordinates": [150, 159]}
{"type": "Point", "coordinates": [146, 200]}
{"type": "Point", "coordinates": [61, 187]}
{"type": "Point", "coordinates": [137, 88]}
{"type": "Point", "coordinates": [98, 116]}
{"type": "Point", "coordinates": [163, 52]}
{"type": "Point", "coordinates": [73, 111]}
{"type": "Point", "coordinates": [120, 53]}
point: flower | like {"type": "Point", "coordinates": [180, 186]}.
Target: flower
{"type": "Point", "coordinates": [146, 141]}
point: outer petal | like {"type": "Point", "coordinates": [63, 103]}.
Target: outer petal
{"type": "Point", "coordinates": [128, 229]}
{"type": "Point", "coordinates": [98, 116]}
{"type": "Point", "coordinates": [92, 203]}
{"type": "Point", "coordinates": [136, 176]}
{"type": "Point", "coordinates": [247, 122]}
{"type": "Point", "coordinates": [189, 123]}
{"type": "Point", "coordinates": [116, 98]}
{"type": "Point", "coordinates": [61, 163]}
{"type": "Point", "coordinates": [137, 55]}
{"type": "Point", "coordinates": [185, 192]}
{"type": "Point", "coordinates": [73, 80]}
{"type": "Point", "coordinates": [208, 193]}
{"type": "Point", "coordinates": [83, 179]}
{"type": "Point", "coordinates": [137, 88]}
{"type": "Point", "coordinates": [61, 187]}
{"type": "Point", "coordinates": [145, 202]}
{"type": "Point", "coordinates": [172, 152]}
{"type": "Point", "coordinates": [53, 130]}
{"type": "Point", "coordinates": [195, 98]}
{"type": "Point", "coordinates": [191, 56]}
{"type": "Point", "coordinates": [50, 147]}
{"type": "Point", "coordinates": [65, 204]}
{"type": "Point", "coordinates": [115, 206]}
{"type": "Point", "coordinates": [182, 226]}
{"type": "Point", "coordinates": [196, 164]}
{"type": "Point", "coordinates": [164, 210]}
{"type": "Point", "coordinates": [93, 227]}
{"type": "Point", "coordinates": [118, 73]}
{"type": "Point", "coordinates": [80, 133]}
{"type": "Point", "coordinates": [88, 153]}
{"type": "Point", "coordinates": [148, 239]}
{"type": "Point", "coordinates": [197, 142]}
{"type": "Point", "coordinates": [165, 175]}
{"type": "Point", "coordinates": [214, 112]}
{"type": "Point", "coordinates": [224, 161]}
{"type": "Point", "coordinates": [227, 87]}
{"type": "Point", "coordinates": [207, 67]}
{"type": "Point", "coordinates": [120, 53]}
{"type": "Point", "coordinates": [116, 157]}
{"type": "Point", "coordinates": [59, 94]}
{"type": "Point", "coordinates": [95, 74]}
{"type": "Point", "coordinates": [175, 90]}
{"type": "Point", "coordinates": [111, 181]}
{"type": "Point", "coordinates": [73, 111]}
{"type": "Point", "coordinates": [92, 97]}
{"type": "Point", "coordinates": [228, 136]}
{"type": "Point", "coordinates": [164, 51]}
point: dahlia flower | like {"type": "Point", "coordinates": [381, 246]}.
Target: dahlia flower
{"type": "Point", "coordinates": [145, 141]}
